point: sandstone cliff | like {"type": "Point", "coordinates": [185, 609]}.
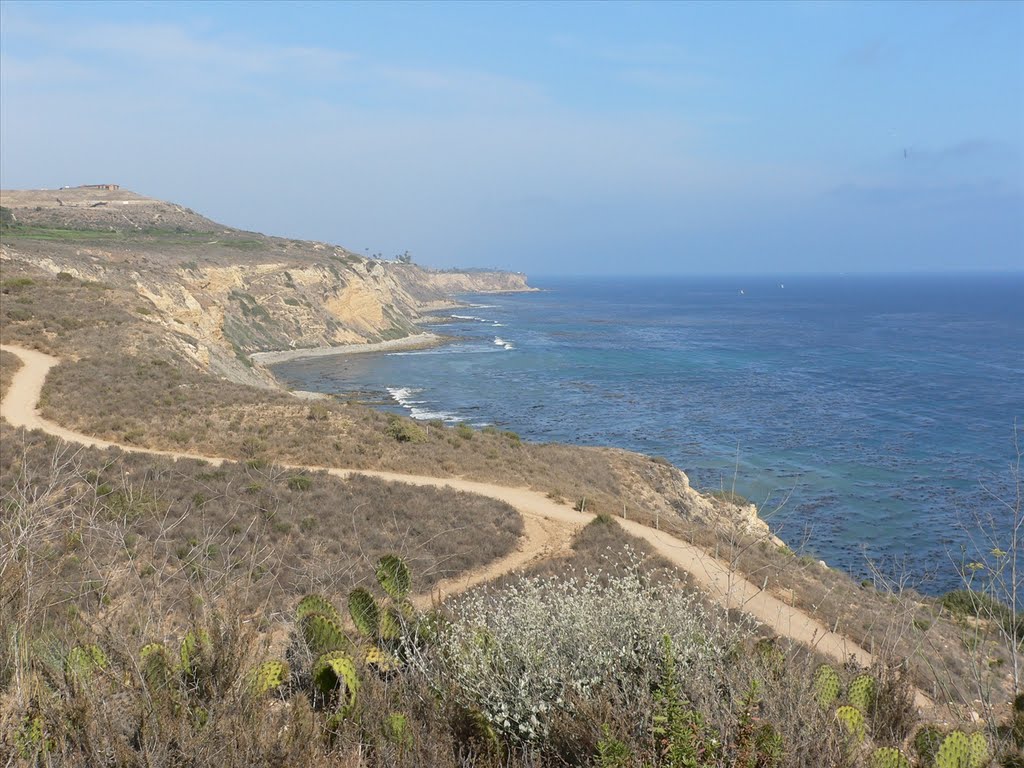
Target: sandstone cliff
{"type": "Point", "coordinates": [224, 293]}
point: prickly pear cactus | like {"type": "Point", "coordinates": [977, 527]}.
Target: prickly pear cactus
{"type": "Point", "coordinates": [83, 661]}
{"type": "Point", "coordinates": [336, 670]}
{"type": "Point", "coordinates": [394, 577]}
{"type": "Point", "coordinates": [852, 721]}
{"type": "Point", "coordinates": [927, 741]}
{"type": "Point", "coordinates": [156, 666]}
{"type": "Point", "coordinates": [888, 757]}
{"type": "Point", "coordinates": [267, 677]}
{"type": "Point", "coordinates": [390, 626]}
{"type": "Point", "coordinates": [316, 604]}
{"type": "Point", "coordinates": [861, 693]}
{"type": "Point", "coordinates": [196, 651]}
{"type": "Point", "coordinates": [955, 751]}
{"type": "Point", "coordinates": [365, 613]}
{"type": "Point", "coordinates": [772, 659]}
{"type": "Point", "coordinates": [381, 660]}
{"type": "Point", "coordinates": [978, 756]}
{"type": "Point", "coordinates": [322, 634]}
{"type": "Point", "coordinates": [826, 685]}
{"type": "Point", "coordinates": [30, 740]}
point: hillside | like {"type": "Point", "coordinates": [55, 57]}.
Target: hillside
{"type": "Point", "coordinates": [221, 293]}
{"type": "Point", "coordinates": [168, 505]}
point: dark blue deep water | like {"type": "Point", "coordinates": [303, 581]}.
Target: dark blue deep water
{"type": "Point", "coordinates": [866, 416]}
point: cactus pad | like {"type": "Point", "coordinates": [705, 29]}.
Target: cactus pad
{"type": "Point", "coordinates": [861, 693]}
{"type": "Point", "coordinates": [316, 604]}
{"type": "Point", "coordinates": [322, 634]}
{"type": "Point", "coordinates": [394, 577]}
{"type": "Point", "coordinates": [382, 660]}
{"type": "Point", "coordinates": [927, 741]}
{"type": "Point", "coordinates": [978, 756]}
{"type": "Point", "coordinates": [826, 685]}
{"type": "Point", "coordinates": [364, 611]}
{"type": "Point", "coordinates": [390, 623]}
{"type": "Point", "coordinates": [771, 657]}
{"type": "Point", "coordinates": [888, 757]}
{"type": "Point", "coordinates": [30, 739]}
{"type": "Point", "coordinates": [334, 670]}
{"type": "Point", "coordinates": [196, 650]}
{"type": "Point", "coordinates": [955, 751]}
{"type": "Point", "coordinates": [268, 676]}
{"type": "Point", "coordinates": [83, 661]}
{"type": "Point", "coordinates": [156, 666]}
{"type": "Point", "coordinates": [852, 721]}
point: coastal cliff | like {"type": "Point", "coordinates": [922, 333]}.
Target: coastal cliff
{"type": "Point", "coordinates": [108, 278]}
{"type": "Point", "coordinates": [221, 293]}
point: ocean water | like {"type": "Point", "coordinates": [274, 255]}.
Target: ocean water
{"type": "Point", "coordinates": [868, 417]}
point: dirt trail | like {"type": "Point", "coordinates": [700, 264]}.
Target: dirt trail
{"type": "Point", "coordinates": [547, 527]}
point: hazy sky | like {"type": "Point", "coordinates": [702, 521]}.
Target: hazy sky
{"type": "Point", "coordinates": [550, 138]}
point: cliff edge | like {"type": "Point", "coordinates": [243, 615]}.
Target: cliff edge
{"type": "Point", "coordinates": [224, 293]}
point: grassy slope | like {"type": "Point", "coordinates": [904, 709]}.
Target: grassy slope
{"type": "Point", "coordinates": [125, 379]}
{"type": "Point", "coordinates": [131, 541]}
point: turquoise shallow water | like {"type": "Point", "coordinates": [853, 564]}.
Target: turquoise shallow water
{"type": "Point", "coordinates": [864, 413]}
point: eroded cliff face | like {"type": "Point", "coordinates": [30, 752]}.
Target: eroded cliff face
{"type": "Point", "coordinates": [222, 293]}
{"type": "Point", "coordinates": [222, 314]}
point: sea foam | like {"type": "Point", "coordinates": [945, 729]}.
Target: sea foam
{"type": "Point", "coordinates": [404, 396]}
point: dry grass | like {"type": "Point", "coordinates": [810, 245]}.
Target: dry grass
{"type": "Point", "coordinates": [885, 617]}
{"type": "Point", "coordinates": [401, 720]}
{"type": "Point", "coordinates": [126, 533]}
{"type": "Point", "coordinates": [9, 365]}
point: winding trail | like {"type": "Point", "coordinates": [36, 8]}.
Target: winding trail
{"type": "Point", "coordinates": [548, 527]}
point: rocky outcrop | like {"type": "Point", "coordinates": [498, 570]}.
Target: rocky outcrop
{"type": "Point", "coordinates": [661, 489]}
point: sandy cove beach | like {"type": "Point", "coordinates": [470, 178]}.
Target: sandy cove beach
{"type": "Point", "coordinates": [416, 341]}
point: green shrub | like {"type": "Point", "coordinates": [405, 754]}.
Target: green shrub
{"type": "Point", "coordinates": [16, 283]}
{"type": "Point", "coordinates": [318, 412]}
{"type": "Point", "coordinates": [300, 483]}
{"type": "Point", "coordinates": [968, 603]}
{"type": "Point", "coordinates": [404, 430]}
{"type": "Point", "coordinates": [730, 497]}
{"type": "Point", "coordinates": [464, 431]}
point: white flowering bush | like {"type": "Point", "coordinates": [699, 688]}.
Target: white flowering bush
{"type": "Point", "coordinates": [519, 653]}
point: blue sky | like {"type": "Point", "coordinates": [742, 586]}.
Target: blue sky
{"type": "Point", "coordinates": [545, 137]}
